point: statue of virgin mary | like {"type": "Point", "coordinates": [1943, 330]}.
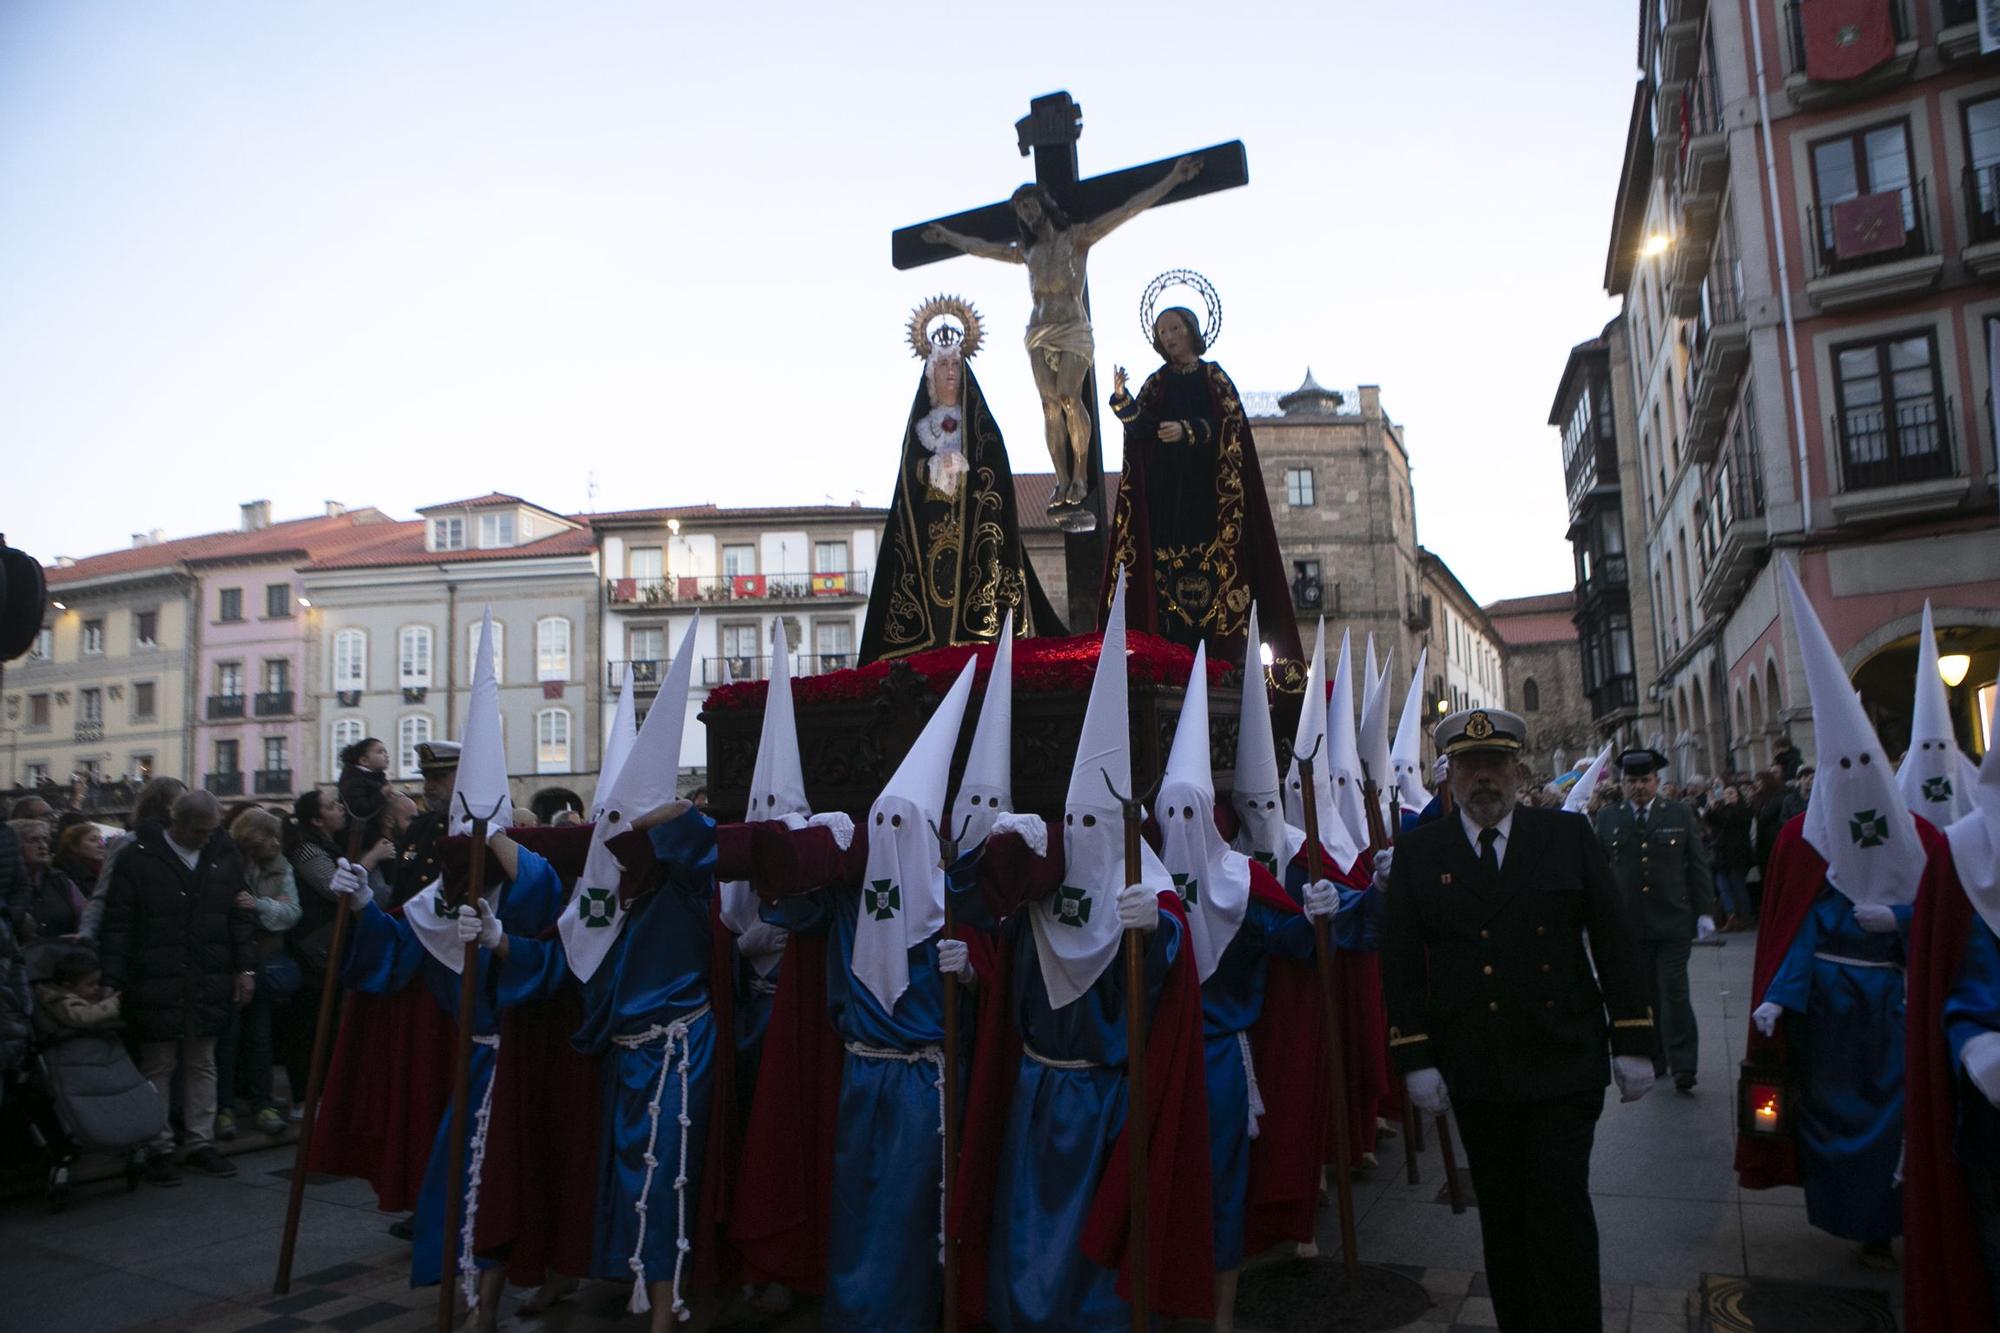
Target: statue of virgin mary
{"type": "Point", "coordinates": [951, 565]}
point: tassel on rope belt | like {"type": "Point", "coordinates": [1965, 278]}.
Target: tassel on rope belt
{"type": "Point", "coordinates": [931, 1054]}
{"type": "Point", "coordinates": [468, 1276]}
{"type": "Point", "coordinates": [1845, 961]}
{"type": "Point", "coordinates": [674, 1056]}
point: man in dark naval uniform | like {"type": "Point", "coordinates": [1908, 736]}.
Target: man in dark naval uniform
{"type": "Point", "coordinates": [416, 862]}
{"type": "Point", "coordinates": [1493, 1011]}
{"type": "Point", "coordinates": [1662, 868]}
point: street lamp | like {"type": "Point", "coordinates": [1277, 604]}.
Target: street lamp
{"type": "Point", "coordinates": [1952, 668]}
{"type": "Point", "coordinates": [1655, 245]}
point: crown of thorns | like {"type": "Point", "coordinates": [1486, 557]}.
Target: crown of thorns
{"type": "Point", "coordinates": [957, 325]}
{"type": "Point", "coordinates": [1211, 328]}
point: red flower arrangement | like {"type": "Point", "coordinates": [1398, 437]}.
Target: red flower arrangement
{"type": "Point", "coordinates": [1041, 666]}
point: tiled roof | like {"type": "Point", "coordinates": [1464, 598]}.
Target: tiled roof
{"type": "Point", "coordinates": [1544, 618]}
{"type": "Point", "coordinates": [729, 513]}
{"type": "Point", "coordinates": [481, 502]}
{"type": "Point", "coordinates": [406, 547]}
{"type": "Point", "coordinates": [1031, 499]}
{"type": "Point", "coordinates": [308, 536]}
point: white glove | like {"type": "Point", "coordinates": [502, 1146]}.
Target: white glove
{"type": "Point", "coordinates": [837, 822]}
{"type": "Point", "coordinates": [1383, 860]}
{"type": "Point", "coordinates": [350, 881]}
{"type": "Point", "coordinates": [1634, 1076]}
{"type": "Point", "coordinates": [1138, 908]}
{"type": "Point", "coordinates": [1704, 926]}
{"type": "Point", "coordinates": [761, 940]}
{"type": "Point", "coordinates": [1426, 1089]}
{"type": "Point", "coordinates": [481, 927]}
{"type": "Point", "coordinates": [1875, 918]}
{"type": "Point", "coordinates": [1322, 899]}
{"type": "Point", "coordinates": [1981, 1058]}
{"type": "Point", "coordinates": [954, 959]}
{"type": "Point", "coordinates": [1765, 1017]}
{"type": "Point", "coordinates": [1031, 829]}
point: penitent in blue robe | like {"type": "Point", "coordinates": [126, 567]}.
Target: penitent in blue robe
{"type": "Point", "coordinates": [656, 975]}
{"type": "Point", "coordinates": [1232, 999]}
{"type": "Point", "coordinates": [385, 956]}
{"type": "Point", "coordinates": [1061, 1128]}
{"type": "Point", "coordinates": [1847, 983]}
{"type": "Point", "coordinates": [1972, 1009]}
{"type": "Point", "coordinates": [883, 1247]}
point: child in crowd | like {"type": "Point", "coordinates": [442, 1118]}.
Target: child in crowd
{"type": "Point", "coordinates": [364, 782]}
{"type": "Point", "coordinates": [270, 895]}
{"type": "Point", "coordinates": [74, 996]}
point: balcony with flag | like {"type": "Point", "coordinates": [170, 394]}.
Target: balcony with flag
{"type": "Point", "coordinates": [1873, 247]}
{"type": "Point", "coordinates": [1843, 50]}
{"type": "Point", "coordinates": [690, 591]}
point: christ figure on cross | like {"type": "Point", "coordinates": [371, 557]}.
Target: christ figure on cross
{"type": "Point", "coordinates": [1060, 347]}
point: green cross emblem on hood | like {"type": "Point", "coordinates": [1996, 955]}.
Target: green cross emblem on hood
{"type": "Point", "coordinates": [597, 908]}
{"type": "Point", "coordinates": [1072, 906]}
{"type": "Point", "coordinates": [882, 899]}
{"type": "Point", "coordinates": [1190, 888]}
{"type": "Point", "coordinates": [1937, 790]}
{"type": "Point", "coordinates": [1868, 829]}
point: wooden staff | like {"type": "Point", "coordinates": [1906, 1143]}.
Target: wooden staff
{"type": "Point", "coordinates": [1136, 1128]}
{"type": "Point", "coordinates": [461, 1080]}
{"type": "Point", "coordinates": [1378, 839]}
{"type": "Point", "coordinates": [329, 1000]}
{"type": "Point", "coordinates": [1336, 1059]}
{"type": "Point", "coordinates": [947, 857]}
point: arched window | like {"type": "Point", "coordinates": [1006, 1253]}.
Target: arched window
{"type": "Point", "coordinates": [411, 732]}
{"type": "Point", "coordinates": [552, 740]}
{"type": "Point", "coordinates": [414, 656]}
{"type": "Point", "coordinates": [552, 649]}
{"type": "Point", "coordinates": [346, 731]}
{"type": "Point", "coordinates": [350, 659]}
{"type": "Point", "coordinates": [499, 650]}
{"type": "Point", "coordinates": [1531, 695]}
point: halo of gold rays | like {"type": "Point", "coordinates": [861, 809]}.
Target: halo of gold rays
{"type": "Point", "coordinates": [967, 336]}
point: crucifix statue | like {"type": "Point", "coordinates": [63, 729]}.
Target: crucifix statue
{"type": "Point", "coordinates": [1049, 227]}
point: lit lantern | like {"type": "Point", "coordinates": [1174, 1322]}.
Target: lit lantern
{"type": "Point", "coordinates": [1763, 1103]}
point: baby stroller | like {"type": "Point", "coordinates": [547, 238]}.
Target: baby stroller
{"type": "Point", "coordinates": [86, 1094]}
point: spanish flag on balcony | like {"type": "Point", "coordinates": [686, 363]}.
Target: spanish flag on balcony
{"type": "Point", "coordinates": [829, 585]}
{"type": "Point", "coordinates": [1844, 39]}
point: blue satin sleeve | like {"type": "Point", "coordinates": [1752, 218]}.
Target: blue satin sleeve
{"type": "Point", "coordinates": [1792, 983]}
{"type": "Point", "coordinates": [685, 845]}
{"type": "Point", "coordinates": [383, 955]}
{"type": "Point", "coordinates": [534, 969]}
{"type": "Point", "coordinates": [808, 914]}
{"type": "Point", "coordinates": [533, 899]}
{"type": "Point", "coordinates": [1973, 1006]}
{"type": "Point", "coordinates": [1286, 934]}
{"type": "Point", "coordinates": [1358, 924]}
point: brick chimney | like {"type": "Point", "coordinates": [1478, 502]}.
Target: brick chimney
{"type": "Point", "coordinates": [256, 515]}
{"type": "Point", "coordinates": [335, 509]}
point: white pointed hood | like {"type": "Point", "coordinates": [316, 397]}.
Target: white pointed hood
{"type": "Point", "coordinates": [1406, 753]}
{"type": "Point", "coordinates": [1855, 817]}
{"type": "Point", "coordinates": [617, 744]}
{"type": "Point", "coordinates": [1262, 832]}
{"type": "Point", "coordinates": [1936, 777]}
{"type": "Point", "coordinates": [1975, 837]}
{"type": "Point", "coordinates": [1344, 764]}
{"type": "Point", "coordinates": [1372, 742]}
{"type": "Point", "coordinates": [902, 892]}
{"type": "Point", "coordinates": [1076, 927]}
{"type": "Point", "coordinates": [482, 759]}
{"type": "Point", "coordinates": [1578, 800]}
{"type": "Point", "coordinates": [777, 783]}
{"type": "Point", "coordinates": [987, 789]}
{"type": "Point", "coordinates": [650, 777]}
{"type": "Point", "coordinates": [1213, 879]}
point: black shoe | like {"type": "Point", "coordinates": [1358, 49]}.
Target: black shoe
{"type": "Point", "coordinates": [210, 1162]}
{"type": "Point", "coordinates": [1684, 1082]}
{"type": "Point", "coordinates": [160, 1170]}
{"type": "Point", "coordinates": [404, 1228]}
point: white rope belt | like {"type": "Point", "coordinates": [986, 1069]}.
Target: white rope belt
{"type": "Point", "coordinates": [1049, 1062]}
{"type": "Point", "coordinates": [468, 1276]}
{"type": "Point", "coordinates": [674, 1055]}
{"type": "Point", "coordinates": [1845, 961]}
{"type": "Point", "coordinates": [933, 1055]}
{"type": "Point", "coordinates": [1250, 1079]}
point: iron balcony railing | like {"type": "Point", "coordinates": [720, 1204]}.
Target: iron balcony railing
{"type": "Point", "coordinates": [221, 707]}
{"type": "Point", "coordinates": [647, 673]}
{"type": "Point", "coordinates": [273, 703]}
{"type": "Point", "coordinates": [1918, 236]}
{"type": "Point", "coordinates": [1911, 443]}
{"type": "Point", "coordinates": [225, 784]}
{"type": "Point", "coordinates": [273, 781]}
{"type": "Point", "coordinates": [1982, 202]}
{"type": "Point", "coordinates": [694, 590]}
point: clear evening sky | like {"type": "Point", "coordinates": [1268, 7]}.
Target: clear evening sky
{"type": "Point", "coordinates": [395, 254]}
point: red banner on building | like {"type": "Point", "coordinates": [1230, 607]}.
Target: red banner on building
{"type": "Point", "coordinates": [1868, 225]}
{"type": "Point", "coordinates": [829, 585]}
{"type": "Point", "coordinates": [552, 689]}
{"type": "Point", "coordinates": [1845, 39]}
{"type": "Point", "coordinates": [624, 590]}
{"type": "Point", "coordinates": [746, 585]}
{"type": "Point", "coordinates": [687, 589]}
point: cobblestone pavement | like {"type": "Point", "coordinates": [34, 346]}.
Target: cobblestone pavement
{"type": "Point", "coordinates": [1670, 1215]}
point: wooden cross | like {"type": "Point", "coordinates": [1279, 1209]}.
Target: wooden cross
{"type": "Point", "coordinates": [1050, 131]}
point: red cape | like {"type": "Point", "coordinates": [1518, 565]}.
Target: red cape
{"type": "Point", "coordinates": [1289, 1051]}
{"type": "Point", "coordinates": [1180, 1228]}
{"type": "Point", "coordinates": [387, 1086]}
{"type": "Point", "coordinates": [1941, 1264]}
